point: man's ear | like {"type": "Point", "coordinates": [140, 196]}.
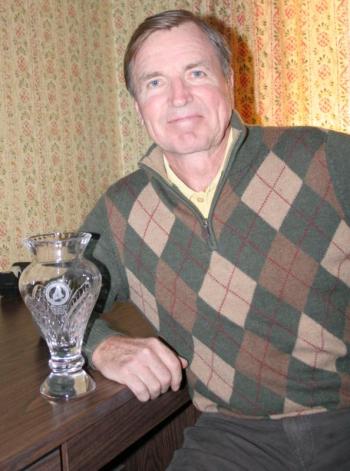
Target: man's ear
{"type": "Point", "coordinates": [138, 112]}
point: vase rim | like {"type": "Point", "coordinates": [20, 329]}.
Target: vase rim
{"type": "Point", "coordinates": [58, 240]}
{"type": "Point", "coordinates": [58, 236]}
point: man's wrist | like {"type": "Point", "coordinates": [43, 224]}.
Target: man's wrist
{"type": "Point", "coordinates": [100, 348]}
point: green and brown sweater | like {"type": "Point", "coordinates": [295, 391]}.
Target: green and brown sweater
{"type": "Point", "coordinates": [256, 297]}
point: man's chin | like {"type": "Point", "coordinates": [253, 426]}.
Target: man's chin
{"type": "Point", "coordinates": [186, 147]}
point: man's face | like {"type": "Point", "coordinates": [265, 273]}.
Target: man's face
{"type": "Point", "coordinates": [182, 95]}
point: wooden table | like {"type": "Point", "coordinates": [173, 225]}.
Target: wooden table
{"type": "Point", "coordinates": [86, 433]}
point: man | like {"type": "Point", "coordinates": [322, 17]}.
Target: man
{"type": "Point", "coordinates": [234, 242]}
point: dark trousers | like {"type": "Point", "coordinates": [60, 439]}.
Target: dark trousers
{"type": "Point", "coordinates": [316, 442]}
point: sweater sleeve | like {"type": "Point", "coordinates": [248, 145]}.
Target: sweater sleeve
{"type": "Point", "coordinates": [338, 157]}
{"type": "Point", "coordinates": [102, 252]}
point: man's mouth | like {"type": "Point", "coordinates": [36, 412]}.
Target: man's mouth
{"type": "Point", "coordinates": [183, 119]}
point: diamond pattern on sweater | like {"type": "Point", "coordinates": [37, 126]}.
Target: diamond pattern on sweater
{"type": "Point", "coordinates": [209, 368]}
{"type": "Point", "coordinates": [224, 209]}
{"type": "Point", "coordinates": [143, 299]}
{"type": "Point", "coordinates": [272, 191]}
{"type": "Point", "coordinates": [272, 319]}
{"type": "Point", "coordinates": [245, 240]}
{"type": "Point", "coordinates": [152, 220]}
{"type": "Point", "coordinates": [288, 272]}
{"type": "Point", "coordinates": [260, 361]}
{"type": "Point", "coordinates": [318, 179]}
{"type": "Point", "coordinates": [227, 289]}
{"type": "Point", "coordinates": [336, 259]}
{"type": "Point", "coordinates": [118, 225]}
{"type": "Point", "coordinates": [177, 298]}
{"type": "Point", "coordinates": [317, 347]}
{"type": "Point", "coordinates": [305, 225]}
{"type": "Point", "coordinates": [187, 254]}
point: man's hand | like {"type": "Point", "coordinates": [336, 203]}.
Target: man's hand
{"type": "Point", "coordinates": [147, 366]}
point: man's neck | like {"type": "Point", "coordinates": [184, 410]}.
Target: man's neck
{"type": "Point", "coordinates": [197, 170]}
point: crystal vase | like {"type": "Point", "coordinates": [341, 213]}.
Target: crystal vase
{"type": "Point", "coordinates": [60, 288]}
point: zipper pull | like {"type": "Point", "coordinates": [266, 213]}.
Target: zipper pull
{"type": "Point", "coordinates": [207, 235]}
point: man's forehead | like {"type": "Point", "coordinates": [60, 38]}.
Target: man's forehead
{"type": "Point", "coordinates": [160, 44]}
{"type": "Point", "coordinates": [156, 38]}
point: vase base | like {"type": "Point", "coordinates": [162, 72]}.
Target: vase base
{"type": "Point", "coordinates": [67, 386]}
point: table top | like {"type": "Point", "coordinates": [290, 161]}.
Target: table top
{"type": "Point", "coordinates": [30, 425]}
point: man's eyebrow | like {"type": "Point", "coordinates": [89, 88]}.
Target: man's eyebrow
{"type": "Point", "coordinates": [193, 65]}
{"type": "Point", "coordinates": [149, 76]}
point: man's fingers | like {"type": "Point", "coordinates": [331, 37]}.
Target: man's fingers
{"type": "Point", "coordinates": [154, 385]}
{"type": "Point", "coordinates": [169, 369]}
{"type": "Point", "coordinates": [184, 362]}
{"type": "Point", "coordinates": [164, 363]}
{"type": "Point", "coordinates": [175, 386]}
{"type": "Point", "coordinates": [139, 388]}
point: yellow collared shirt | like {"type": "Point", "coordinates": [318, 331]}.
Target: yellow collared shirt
{"type": "Point", "coordinates": [201, 199]}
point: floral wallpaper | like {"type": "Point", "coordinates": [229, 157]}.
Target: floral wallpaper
{"type": "Point", "coordinates": [68, 127]}
{"type": "Point", "coordinates": [59, 133]}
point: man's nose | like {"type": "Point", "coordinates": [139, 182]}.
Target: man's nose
{"type": "Point", "coordinates": [180, 93]}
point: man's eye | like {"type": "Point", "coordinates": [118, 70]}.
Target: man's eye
{"type": "Point", "coordinates": [198, 73]}
{"type": "Point", "coordinates": [153, 83]}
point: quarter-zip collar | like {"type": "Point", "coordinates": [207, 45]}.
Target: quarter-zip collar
{"type": "Point", "coordinates": [153, 164]}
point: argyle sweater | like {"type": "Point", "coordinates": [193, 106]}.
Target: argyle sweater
{"type": "Point", "coordinates": [257, 296]}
